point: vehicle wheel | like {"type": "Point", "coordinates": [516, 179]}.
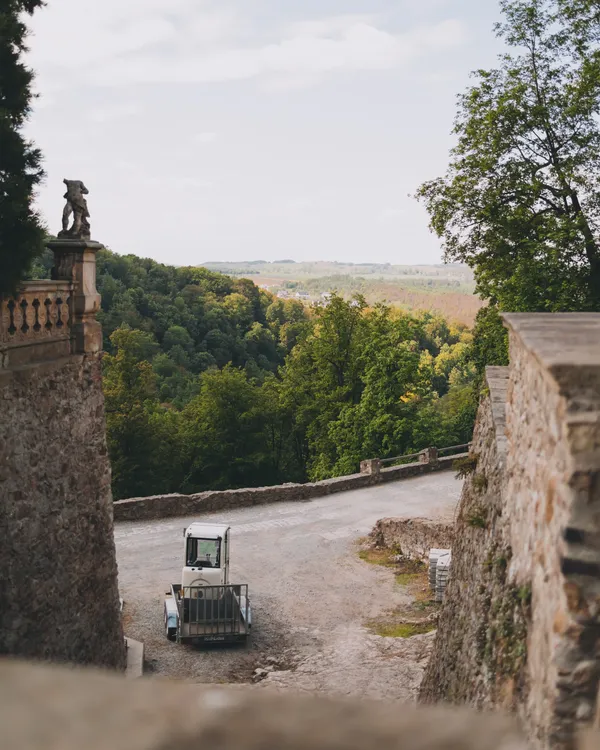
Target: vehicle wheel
{"type": "Point", "coordinates": [171, 633]}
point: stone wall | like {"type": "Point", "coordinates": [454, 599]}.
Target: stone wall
{"type": "Point", "coordinates": [46, 707]}
{"type": "Point", "coordinates": [58, 576]}
{"type": "Point", "coordinates": [520, 627]}
{"type": "Point", "coordinates": [412, 537]}
{"type": "Point", "coordinates": [464, 667]}
{"type": "Point", "coordinates": [165, 506]}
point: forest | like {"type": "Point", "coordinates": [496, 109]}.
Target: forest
{"type": "Point", "coordinates": [213, 383]}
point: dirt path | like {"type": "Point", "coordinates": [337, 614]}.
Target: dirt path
{"type": "Point", "coordinates": [311, 594]}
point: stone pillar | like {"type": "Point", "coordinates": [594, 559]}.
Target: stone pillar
{"type": "Point", "coordinates": [370, 466]}
{"type": "Point", "coordinates": [428, 456]}
{"type": "Point", "coordinates": [75, 261]}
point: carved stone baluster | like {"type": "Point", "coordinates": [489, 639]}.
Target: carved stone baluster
{"type": "Point", "coordinates": [5, 319]}
{"type": "Point", "coordinates": [18, 318]}
{"type": "Point", "coordinates": [12, 328]}
{"type": "Point", "coordinates": [37, 326]}
{"type": "Point", "coordinates": [64, 312]}
{"type": "Point", "coordinates": [50, 316]}
{"type": "Point", "coordinates": [29, 312]}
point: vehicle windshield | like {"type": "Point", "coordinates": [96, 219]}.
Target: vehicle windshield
{"type": "Point", "coordinates": [203, 553]}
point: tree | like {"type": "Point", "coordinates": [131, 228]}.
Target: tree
{"type": "Point", "coordinates": [132, 421]}
{"type": "Point", "coordinates": [223, 433]}
{"type": "Point", "coordinates": [21, 232]}
{"type": "Point", "coordinates": [520, 202]}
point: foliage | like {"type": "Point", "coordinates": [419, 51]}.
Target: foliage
{"type": "Point", "coordinates": [490, 340]}
{"type": "Point", "coordinates": [212, 383]}
{"type": "Point", "coordinates": [21, 233]}
{"type": "Point", "coordinates": [520, 201]}
{"type": "Point", "coordinates": [465, 466]}
{"type": "Point", "coordinates": [477, 517]}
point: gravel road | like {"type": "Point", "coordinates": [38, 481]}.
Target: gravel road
{"type": "Point", "coordinates": [310, 592]}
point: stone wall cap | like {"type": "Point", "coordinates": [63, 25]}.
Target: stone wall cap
{"type": "Point", "coordinates": [66, 244]}
{"type": "Point", "coordinates": [559, 340]}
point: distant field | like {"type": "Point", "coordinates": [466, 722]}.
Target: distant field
{"type": "Point", "coordinates": [445, 289]}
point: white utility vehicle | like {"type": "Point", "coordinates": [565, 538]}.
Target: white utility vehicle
{"type": "Point", "coordinates": [205, 607]}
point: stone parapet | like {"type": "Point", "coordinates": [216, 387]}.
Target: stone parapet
{"type": "Point", "coordinates": [46, 707]}
{"type": "Point", "coordinates": [35, 324]}
{"type": "Point", "coordinates": [50, 319]}
{"type": "Point", "coordinates": [165, 506]}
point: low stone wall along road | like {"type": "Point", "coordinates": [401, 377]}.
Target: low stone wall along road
{"type": "Point", "coordinates": [310, 592]}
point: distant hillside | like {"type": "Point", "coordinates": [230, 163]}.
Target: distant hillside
{"type": "Point", "coordinates": [444, 289]}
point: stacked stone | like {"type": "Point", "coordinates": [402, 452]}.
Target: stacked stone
{"type": "Point", "coordinates": [434, 555]}
{"type": "Point", "coordinates": [442, 574]}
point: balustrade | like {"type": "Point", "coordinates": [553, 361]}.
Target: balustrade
{"type": "Point", "coordinates": [40, 312]}
{"type": "Point", "coordinates": [49, 319]}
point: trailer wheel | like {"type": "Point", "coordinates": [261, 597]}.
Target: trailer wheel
{"type": "Point", "coordinates": [171, 633]}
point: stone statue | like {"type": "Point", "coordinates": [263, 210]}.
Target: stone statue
{"type": "Point", "coordinates": [76, 205]}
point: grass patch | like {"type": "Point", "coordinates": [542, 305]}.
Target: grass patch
{"type": "Point", "coordinates": [385, 557]}
{"type": "Point", "coordinates": [401, 630]}
{"type": "Point", "coordinates": [418, 616]}
{"type": "Point", "coordinates": [404, 579]}
{"type": "Point", "coordinates": [414, 575]}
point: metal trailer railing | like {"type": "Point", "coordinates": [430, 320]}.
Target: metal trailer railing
{"type": "Point", "coordinates": [212, 613]}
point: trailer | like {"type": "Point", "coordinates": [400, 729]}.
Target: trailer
{"type": "Point", "coordinates": [205, 607]}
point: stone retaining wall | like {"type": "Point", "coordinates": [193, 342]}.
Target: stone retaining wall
{"type": "Point", "coordinates": [412, 537]}
{"type": "Point", "coordinates": [165, 506]}
{"type": "Point", "coordinates": [58, 573]}
{"type": "Point", "coordinates": [521, 625]}
{"type": "Point", "coordinates": [464, 664]}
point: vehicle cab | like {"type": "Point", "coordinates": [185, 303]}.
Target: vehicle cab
{"type": "Point", "coordinates": [206, 555]}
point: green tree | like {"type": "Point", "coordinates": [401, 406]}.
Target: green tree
{"type": "Point", "coordinates": [379, 423]}
{"type": "Point", "coordinates": [520, 202]}
{"type": "Point", "coordinates": [490, 340]}
{"type": "Point", "coordinates": [223, 433]}
{"type": "Point", "coordinates": [142, 449]}
{"type": "Point", "coordinates": [21, 232]}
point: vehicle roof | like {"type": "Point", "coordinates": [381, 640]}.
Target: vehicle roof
{"type": "Point", "coordinates": [206, 530]}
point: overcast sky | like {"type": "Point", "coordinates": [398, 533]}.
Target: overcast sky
{"type": "Point", "coordinates": [254, 129]}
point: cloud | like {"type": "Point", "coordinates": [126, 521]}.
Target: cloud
{"type": "Point", "coordinates": [205, 137]}
{"type": "Point", "coordinates": [328, 26]}
{"type": "Point", "coordinates": [196, 42]}
{"type": "Point", "coordinates": [114, 112]}
{"type": "Point", "coordinates": [389, 214]}
{"type": "Point", "coordinates": [360, 47]}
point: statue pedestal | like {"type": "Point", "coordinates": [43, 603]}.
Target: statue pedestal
{"type": "Point", "coordinates": [75, 261]}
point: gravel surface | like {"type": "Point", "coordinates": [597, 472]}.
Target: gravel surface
{"type": "Point", "coordinates": [310, 593]}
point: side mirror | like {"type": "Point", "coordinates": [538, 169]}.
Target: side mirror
{"type": "Point", "coordinates": [184, 531]}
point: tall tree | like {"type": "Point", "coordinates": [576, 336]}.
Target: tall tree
{"type": "Point", "coordinates": [520, 202]}
{"type": "Point", "coordinates": [21, 233]}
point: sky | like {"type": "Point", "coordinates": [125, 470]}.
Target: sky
{"type": "Point", "coordinates": [228, 130]}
